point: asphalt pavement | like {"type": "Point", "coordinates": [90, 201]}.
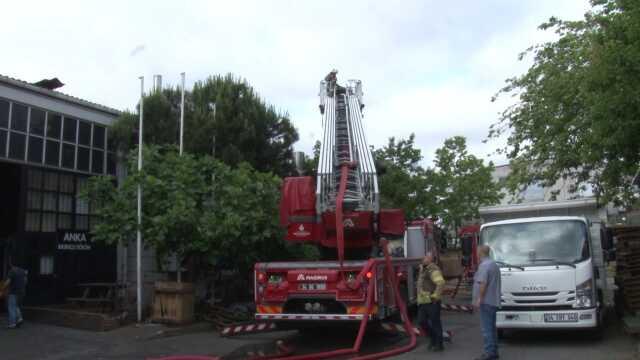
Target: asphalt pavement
{"type": "Point", "coordinates": [40, 341]}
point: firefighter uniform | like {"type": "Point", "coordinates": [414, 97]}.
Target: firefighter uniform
{"type": "Point", "coordinates": [430, 286]}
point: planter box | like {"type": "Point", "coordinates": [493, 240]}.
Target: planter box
{"type": "Point", "coordinates": [173, 303]}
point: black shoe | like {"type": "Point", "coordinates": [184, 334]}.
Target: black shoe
{"type": "Point", "coordinates": [19, 323]}
{"type": "Point", "coordinates": [437, 348]}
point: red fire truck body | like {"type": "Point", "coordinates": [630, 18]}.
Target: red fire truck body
{"type": "Point", "coordinates": [338, 210]}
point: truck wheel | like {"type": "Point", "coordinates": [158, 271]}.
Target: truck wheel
{"type": "Point", "coordinates": [597, 333]}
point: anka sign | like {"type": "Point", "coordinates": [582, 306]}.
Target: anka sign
{"type": "Point", "coordinates": [74, 241]}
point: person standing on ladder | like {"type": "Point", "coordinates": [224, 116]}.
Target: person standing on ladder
{"type": "Point", "coordinates": [430, 285]}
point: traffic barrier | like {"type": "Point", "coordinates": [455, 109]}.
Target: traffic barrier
{"type": "Point", "coordinates": [241, 329]}
{"type": "Point", "coordinates": [457, 308]}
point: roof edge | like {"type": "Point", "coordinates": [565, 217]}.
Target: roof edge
{"type": "Point", "coordinates": [58, 95]}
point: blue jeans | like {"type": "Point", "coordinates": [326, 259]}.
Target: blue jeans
{"type": "Point", "coordinates": [13, 307]}
{"type": "Point", "coordinates": [489, 331]}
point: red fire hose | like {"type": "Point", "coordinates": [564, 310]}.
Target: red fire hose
{"type": "Point", "coordinates": [391, 277]}
{"type": "Point", "coordinates": [344, 173]}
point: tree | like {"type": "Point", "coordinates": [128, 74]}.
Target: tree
{"type": "Point", "coordinates": [192, 206]}
{"type": "Point", "coordinates": [224, 117]}
{"type": "Point", "coordinates": [465, 183]}
{"type": "Point", "coordinates": [311, 163]}
{"type": "Point", "coordinates": [578, 105]}
{"type": "Point", "coordinates": [402, 181]}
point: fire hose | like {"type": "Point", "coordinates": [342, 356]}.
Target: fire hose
{"type": "Point", "coordinates": [391, 277]}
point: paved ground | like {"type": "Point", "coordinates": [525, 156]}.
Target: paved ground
{"type": "Point", "coordinates": [557, 345]}
{"type": "Point", "coordinates": [38, 341]}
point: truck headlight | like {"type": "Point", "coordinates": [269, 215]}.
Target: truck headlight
{"type": "Point", "coordinates": [584, 294]}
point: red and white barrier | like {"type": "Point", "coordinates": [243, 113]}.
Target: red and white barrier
{"type": "Point", "coordinates": [457, 308]}
{"type": "Point", "coordinates": [241, 329]}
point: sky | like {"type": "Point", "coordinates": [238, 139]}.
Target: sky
{"type": "Point", "coordinates": [427, 67]}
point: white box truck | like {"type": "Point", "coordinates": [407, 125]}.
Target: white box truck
{"type": "Point", "coordinates": [553, 272]}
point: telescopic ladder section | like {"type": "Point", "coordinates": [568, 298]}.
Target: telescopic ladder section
{"type": "Point", "coordinates": [344, 145]}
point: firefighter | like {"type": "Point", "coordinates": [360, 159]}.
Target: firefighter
{"type": "Point", "coordinates": [430, 285]}
{"type": "Point", "coordinates": [331, 79]}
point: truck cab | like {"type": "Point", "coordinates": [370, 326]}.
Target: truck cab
{"type": "Point", "coordinates": [552, 272]}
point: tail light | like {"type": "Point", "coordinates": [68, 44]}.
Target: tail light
{"type": "Point", "coordinates": [369, 274]}
{"type": "Point", "coordinates": [262, 278]}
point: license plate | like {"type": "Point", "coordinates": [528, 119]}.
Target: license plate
{"type": "Point", "coordinates": [561, 317]}
{"type": "Point", "coordinates": [313, 286]}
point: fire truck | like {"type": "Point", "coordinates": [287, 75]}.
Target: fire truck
{"type": "Point", "coordinates": [338, 210]}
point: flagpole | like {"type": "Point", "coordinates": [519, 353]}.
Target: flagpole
{"type": "Point", "coordinates": [139, 232]}
{"type": "Point", "coordinates": [182, 115]}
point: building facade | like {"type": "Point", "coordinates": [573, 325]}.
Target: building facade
{"type": "Point", "coordinates": [537, 200]}
{"type": "Point", "coordinates": [50, 143]}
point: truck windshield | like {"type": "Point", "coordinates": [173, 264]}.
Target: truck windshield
{"type": "Point", "coordinates": [537, 243]}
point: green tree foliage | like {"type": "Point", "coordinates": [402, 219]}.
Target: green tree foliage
{"type": "Point", "coordinates": [192, 206]}
{"type": "Point", "coordinates": [311, 163]}
{"type": "Point", "coordinates": [578, 105]}
{"type": "Point", "coordinates": [402, 181]}
{"type": "Point", "coordinates": [464, 183]}
{"type": "Point", "coordinates": [224, 117]}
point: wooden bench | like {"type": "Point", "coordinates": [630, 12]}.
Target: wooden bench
{"type": "Point", "coordinates": [104, 299]}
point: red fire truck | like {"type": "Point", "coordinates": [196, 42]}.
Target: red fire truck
{"type": "Point", "coordinates": [339, 211]}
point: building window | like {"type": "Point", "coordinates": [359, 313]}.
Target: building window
{"type": "Point", "coordinates": [49, 222]}
{"type": "Point", "coordinates": [19, 117]}
{"type": "Point", "coordinates": [32, 221]}
{"type": "Point", "coordinates": [68, 156]}
{"type": "Point", "coordinates": [49, 202]}
{"type": "Point", "coordinates": [36, 124]}
{"type": "Point", "coordinates": [70, 127]}
{"type": "Point", "coordinates": [35, 179]}
{"type": "Point", "coordinates": [83, 158]}
{"type": "Point", "coordinates": [3, 143]}
{"type": "Point", "coordinates": [35, 150]}
{"type": "Point", "coordinates": [54, 123]}
{"type": "Point", "coordinates": [84, 133]}
{"type": "Point", "coordinates": [46, 265]}
{"type": "Point", "coordinates": [98, 137]}
{"type": "Point", "coordinates": [52, 154]}
{"type": "Point", "coordinates": [37, 136]}
{"type": "Point", "coordinates": [53, 202]}
{"type": "Point", "coordinates": [34, 200]}
{"type": "Point", "coordinates": [97, 162]}
{"type": "Point", "coordinates": [17, 146]}
{"type": "Point", "coordinates": [533, 193]}
{"type": "Point", "coordinates": [4, 114]}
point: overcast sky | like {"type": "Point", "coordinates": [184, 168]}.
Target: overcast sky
{"type": "Point", "coordinates": [427, 67]}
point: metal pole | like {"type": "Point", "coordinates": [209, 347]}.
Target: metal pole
{"type": "Point", "coordinates": [182, 115]}
{"type": "Point", "coordinates": [139, 234]}
{"type": "Point", "coordinates": [178, 259]}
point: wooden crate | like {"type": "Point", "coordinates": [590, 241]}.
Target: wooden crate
{"type": "Point", "coordinates": [173, 303]}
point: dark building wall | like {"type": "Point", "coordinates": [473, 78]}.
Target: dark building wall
{"type": "Point", "coordinates": [48, 149]}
